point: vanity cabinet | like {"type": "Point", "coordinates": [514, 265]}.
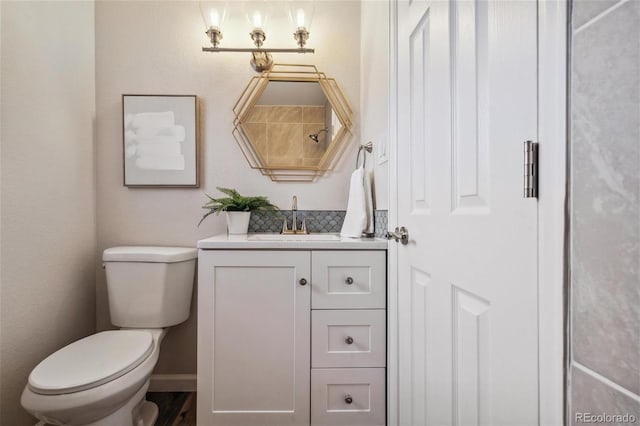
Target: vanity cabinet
{"type": "Point", "coordinates": [291, 337]}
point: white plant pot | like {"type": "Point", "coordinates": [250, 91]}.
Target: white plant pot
{"type": "Point", "coordinates": [238, 222]}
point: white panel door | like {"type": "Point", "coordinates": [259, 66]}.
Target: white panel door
{"type": "Point", "coordinates": [467, 280]}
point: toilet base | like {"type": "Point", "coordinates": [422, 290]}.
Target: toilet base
{"type": "Point", "coordinates": [137, 412]}
{"type": "Point", "coordinates": [148, 413]}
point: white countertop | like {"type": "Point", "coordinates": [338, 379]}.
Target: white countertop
{"type": "Point", "coordinates": [240, 242]}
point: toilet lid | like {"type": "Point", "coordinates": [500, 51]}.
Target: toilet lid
{"type": "Point", "coordinates": [149, 254]}
{"type": "Point", "coordinates": [91, 362]}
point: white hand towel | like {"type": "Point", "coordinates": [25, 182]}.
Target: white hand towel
{"type": "Point", "coordinates": [356, 218]}
{"type": "Point", "coordinates": [368, 203]}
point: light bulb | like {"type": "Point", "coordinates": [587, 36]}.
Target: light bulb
{"type": "Point", "coordinates": [214, 18]}
{"type": "Point", "coordinates": [258, 13]}
{"type": "Point", "coordinates": [299, 14]}
{"type": "Point", "coordinates": [257, 19]}
{"type": "Point", "coordinates": [213, 14]}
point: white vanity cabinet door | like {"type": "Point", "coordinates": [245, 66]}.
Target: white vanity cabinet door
{"type": "Point", "coordinates": [349, 279]}
{"type": "Point", "coordinates": [348, 397]}
{"type": "Point", "coordinates": [253, 337]}
{"type": "Point", "coordinates": [348, 338]}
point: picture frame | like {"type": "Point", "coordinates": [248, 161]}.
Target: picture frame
{"type": "Point", "coordinates": [160, 141]}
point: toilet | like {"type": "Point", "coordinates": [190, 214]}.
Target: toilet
{"type": "Point", "coordinates": [103, 378]}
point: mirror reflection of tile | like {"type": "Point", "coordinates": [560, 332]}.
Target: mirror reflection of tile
{"type": "Point", "coordinates": [280, 133]}
{"type": "Point", "coordinates": [154, 140]}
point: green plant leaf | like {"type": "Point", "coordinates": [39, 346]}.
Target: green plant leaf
{"type": "Point", "coordinates": [234, 202]}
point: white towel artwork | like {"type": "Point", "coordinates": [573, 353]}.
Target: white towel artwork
{"type": "Point", "coordinates": [176, 132]}
{"type": "Point", "coordinates": [153, 120]}
{"type": "Point", "coordinates": [359, 216]}
{"type": "Point", "coordinates": [160, 162]}
{"type": "Point", "coordinates": [155, 141]}
{"type": "Point", "coordinates": [165, 148]}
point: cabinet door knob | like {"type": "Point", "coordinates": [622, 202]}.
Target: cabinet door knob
{"type": "Point", "coordinates": [303, 281]}
{"type": "Point", "coordinates": [348, 399]}
{"type": "Point", "coordinates": [349, 280]}
{"type": "Point", "coordinates": [348, 340]}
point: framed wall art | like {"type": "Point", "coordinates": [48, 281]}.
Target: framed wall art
{"type": "Point", "coordinates": [160, 140]}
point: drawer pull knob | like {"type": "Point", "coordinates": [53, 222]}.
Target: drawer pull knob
{"type": "Point", "coordinates": [349, 280]}
{"type": "Point", "coordinates": [348, 340]}
{"type": "Point", "coordinates": [348, 399]}
{"type": "Point", "coordinates": [303, 281]}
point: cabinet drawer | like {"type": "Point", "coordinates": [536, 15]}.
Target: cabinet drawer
{"type": "Point", "coordinates": [348, 396]}
{"type": "Point", "coordinates": [348, 279]}
{"type": "Point", "coordinates": [348, 338]}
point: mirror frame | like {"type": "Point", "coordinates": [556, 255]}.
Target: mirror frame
{"type": "Point", "coordinates": [293, 73]}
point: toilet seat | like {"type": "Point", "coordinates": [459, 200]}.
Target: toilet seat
{"type": "Point", "coordinates": [91, 362]}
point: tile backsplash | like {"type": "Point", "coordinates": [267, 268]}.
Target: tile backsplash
{"type": "Point", "coordinates": [317, 220]}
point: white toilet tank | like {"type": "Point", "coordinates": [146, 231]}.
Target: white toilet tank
{"type": "Point", "coordinates": [149, 287]}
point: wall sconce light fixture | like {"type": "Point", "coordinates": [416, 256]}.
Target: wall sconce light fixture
{"type": "Point", "coordinates": [257, 14]}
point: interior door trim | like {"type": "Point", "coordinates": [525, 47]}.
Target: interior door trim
{"type": "Point", "coordinates": [552, 135]}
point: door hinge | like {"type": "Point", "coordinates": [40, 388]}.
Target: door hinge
{"type": "Point", "coordinates": [530, 169]}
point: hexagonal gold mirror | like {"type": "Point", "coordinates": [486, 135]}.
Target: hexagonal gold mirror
{"type": "Point", "coordinates": [292, 123]}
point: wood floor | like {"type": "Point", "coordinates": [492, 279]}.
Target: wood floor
{"type": "Point", "coordinates": [175, 408]}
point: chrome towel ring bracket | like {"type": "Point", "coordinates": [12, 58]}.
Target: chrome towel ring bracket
{"type": "Point", "coordinates": [368, 147]}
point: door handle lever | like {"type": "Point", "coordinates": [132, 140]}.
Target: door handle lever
{"type": "Point", "coordinates": [401, 234]}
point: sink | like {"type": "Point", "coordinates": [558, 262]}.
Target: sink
{"type": "Point", "coordinates": [294, 237]}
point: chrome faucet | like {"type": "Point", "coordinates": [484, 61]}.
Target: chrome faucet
{"type": "Point", "coordinates": [294, 213]}
{"type": "Point", "coordinates": [294, 223]}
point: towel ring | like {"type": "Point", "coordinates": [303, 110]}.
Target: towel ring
{"type": "Point", "coordinates": [368, 147]}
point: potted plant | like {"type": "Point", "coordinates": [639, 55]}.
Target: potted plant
{"type": "Point", "coordinates": [237, 207]}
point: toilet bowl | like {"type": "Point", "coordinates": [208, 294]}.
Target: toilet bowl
{"type": "Point", "coordinates": [76, 403]}
{"type": "Point", "coordinates": [102, 379]}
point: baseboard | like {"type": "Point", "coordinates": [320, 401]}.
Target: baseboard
{"type": "Point", "coordinates": [173, 383]}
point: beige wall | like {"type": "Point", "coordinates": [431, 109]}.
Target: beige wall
{"type": "Point", "coordinates": [48, 244]}
{"type": "Point", "coordinates": [155, 48]}
{"type": "Point", "coordinates": [374, 93]}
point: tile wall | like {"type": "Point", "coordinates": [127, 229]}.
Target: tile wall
{"type": "Point", "coordinates": [280, 134]}
{"type": "Point", "coordinates": [605, 211]}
